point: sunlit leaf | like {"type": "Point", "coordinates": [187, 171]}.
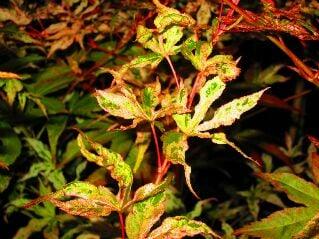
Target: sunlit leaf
{"type": "Point", "coordinates": [9, 75]}
{"type": "Point", "coordinates": [204, 13]}
{"type": "Point", "coordinates": [283, 224]}
{"type": "Point", "coordinates": [118, 105]}
{"type": "Point", "coordinates": [82, 199]}
{"type": "Point", "coordinates": [174, 148]}
{"type": "Point", "coordinates": [170, 16]}
{"type": "Point", "coordinates": [179, 227]}
{"type": "Point", "coordinates": [296, 188]}
{"type": "Point", "coordinates": [211, 91]}
{"type": "Point", "coordinates": [311, 229]}
{"type": "Point", "coordinates": [112, 161]}
{"type": "Point", "coordinates": [228, 113]}
{"type": "Point", "coordinates": [144, 215]}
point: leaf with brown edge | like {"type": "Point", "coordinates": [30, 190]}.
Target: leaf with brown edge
{"type": "Point", "coordinates": [296, 188]}
{"type": "Point", "coordinates": [311, 229]}
{"type": "Point", "coordinates": [144, 215]}
{"type": "Point", "coordinates": [112, 161]}
{"type": "Point", "coordinates": [228, 113]}
{"type": "Point", "coordinates": [314, 165]}
{"type": "Point", "coordinates": [283, 224]}
{"type": "Point", "coordinates": [82, 199]}
{"type": "Point", "coordinates": [170, 16]}
{"type": "Point", "coordinates": [179, 227]}
{"type": "Point", "coordinates": [151, 189]}
{"type": "Point", "coordinates": [174, 148]}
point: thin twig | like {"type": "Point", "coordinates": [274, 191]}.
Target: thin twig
{"type": "Point", "coordinates": [158, 152]}
{"type": "Point", "coordinates": [122, 224]}
{"type": "Point", "coordinates": [173, 70]}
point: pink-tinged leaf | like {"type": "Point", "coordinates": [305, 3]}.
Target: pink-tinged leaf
{"type": "Point", "coordinates": [296, 188]}
{"type": "Point", "coordinates": [228, 113]}
{"type": "Point", "coordinates": [179, 227]}
{"type": "Point", "coordinates": [314, 140]}
{"type": "Point", "coordinates": [144, 215]}
{"type": "Point", "coordinates": [82, 199]}
{"type": "Point", "coordinates": [283, 224]}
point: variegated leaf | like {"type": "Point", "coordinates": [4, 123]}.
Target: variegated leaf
{"type": "Point", "coordinates": [144, 215]}
{"type": "Point", "coordinates": [179, 227]}
{"type": "Point", "coordinates": [82, 199]}
{"type": "Point", "coordinates": [228, 113]}
{"type": "Point", "coordinates": [118, 105]}
{"type": "Point", "coordinates": [112, 161]}
{"type": "Point", "coordinates": [174, 148]}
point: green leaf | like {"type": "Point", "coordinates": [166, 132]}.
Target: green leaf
{"type": "Point", "coordinates": [118, 105]}
{"type": "Point", "coordinates": [57, 178]}
{"type": "Point", "coordinates": [112, 161]}
{"type": "Point", "coordinates": [55, 128]}
{"type": "Point", "coordinates": [40, 148]}
{"type": "Point", "coordinates": [33, 226]}
{"type": "Point", "coordinates": [228, 113]}
{"type": "Point", "coordinates": [174, 148]}
{"type": "Point", "coordinates": [179, 227]}
{"type": "Point", "coordinates": [201, 50]}
{"type": "Point", "coordinates": [151, 189]}
{"type": "Point", "coordinates": [183, 122]}
{"type": "Point", "coordinates": [170, 16]}
{"type": "Point", "coordinates": [144, 215]}
{"type": "Point", "coordinates": [311, 229]}
{"type": "Point", "coordinates": [10, 145]}
{"type": "Point", "coordinates": [149, 100]}
{"type": "Point", "coordinates": [171, 37]}
{"type": "Point", "coordinates": [211, 91]}
{"type": "Point", "coordinates": [147, 39]}
{"type": "Point", "coordinates": [82, 199]}
{"type": "Point", "coordinates": [283, 224]}
{"type": "Point", "coordinates": [152, 59]}
{"type": "Point", "coordinates": [296, 188]}
{"type": "Point", "coordinates": [139, 148]}
{"type": "Point", "coordinates": [12, 87]}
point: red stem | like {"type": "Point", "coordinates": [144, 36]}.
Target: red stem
{"type": "Point", "coordinates": [122, 225]}
{"type": "Point", "coordinates": [158, 152]}
{"type": "Point", "coordinates": [172, 69]}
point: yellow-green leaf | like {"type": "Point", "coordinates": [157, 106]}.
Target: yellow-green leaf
{"type": "Point", "coordinates": [144, 215]}
{"type": "Point", "coordinates": [174, 148]}
{"type": "Point", "coordinates": [112, 161]}
{"type": "Point", "coordinates": [228, 113]}
{"type": "Point", "coordinates": [118, 105]}
{"type": "Point", "coordinates": [211, 91]}
{"type": "Point", "coordinates": [283, 224]}
{"type": "Point", "coordinates": [311, 229]}
{"type": "Point", "coordinates": [82, 199]}
{"type": "Point", "coordinates": [296, 188]}
{"type": "Point", "coordinates": [170, 16]}
{"type": "Point", "coordinates": [179, 227]}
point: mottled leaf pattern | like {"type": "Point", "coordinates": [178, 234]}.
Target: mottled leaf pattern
{"type": "Point", "coordinates": [170, 16]}
{"type": "Point", "coordinates": [82, 199]}
{"type": "Point", "coordinates": [211, 91]}
{"type": "Point", "coordinates": [144, 215]}
{"type": "Point", "coordinates": [174, 148]}
{"type": "Point", "coordinates": [118, 105]}
{"type": "Point", "coordinates": [179, 227]}
{"type": "Point", "coordinates": [228, 113]}
{"type": "Point", "coordinates": [112, 161]}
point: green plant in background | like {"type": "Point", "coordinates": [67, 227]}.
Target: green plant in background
{"type": "Point", "coordinates": [159, 94]}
